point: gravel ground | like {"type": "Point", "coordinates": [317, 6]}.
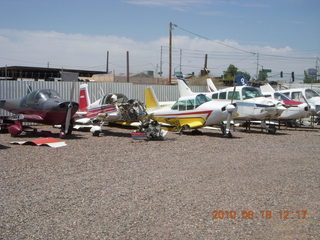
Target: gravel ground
{"type": "Point", "coordinates": [114, 187]}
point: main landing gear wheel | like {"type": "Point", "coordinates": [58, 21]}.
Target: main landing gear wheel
{"type": "Point", "coordinates": [228, 135]}
{"type": "Point", "coordinates": [62, 134]}
{"type": "Point", "coordinates": [272, 129]}
{"type": "Point", "coordinates": [224, 131]}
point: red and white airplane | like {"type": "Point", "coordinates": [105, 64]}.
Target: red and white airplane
{"type": "Point", "coordinates": [294, 109]}
{"type": "Point", "coordinates": [115, 108]}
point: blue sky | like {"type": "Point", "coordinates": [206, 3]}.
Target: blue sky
{"type": "Point", "coordinates": [285, 27]}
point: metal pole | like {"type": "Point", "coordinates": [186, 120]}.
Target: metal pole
{"type": "Point", "coordinates": [128, 66]}
{"type": "Point", "coordinates": [206, 62]}
{"type": "Point", "coordinates": [107, 65]}
{"type": "Point", "coordinates": [160, 73]}
{"type": "Point", "coordinates": [170, 52]}
{"type": "Point", "coordinates": [317, 68]}
{"type": "Point", "coordinates": [180, 60]}
{"type": "Point", "coordinates": [257, 72]}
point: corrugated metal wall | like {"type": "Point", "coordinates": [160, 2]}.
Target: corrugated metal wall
{"type": "Point", "coordinates": [17, 89]}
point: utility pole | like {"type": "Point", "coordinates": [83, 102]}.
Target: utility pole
{"type": "Point", "coordinates": [107, 64]}
{"type": "Point", "coordinates": [257, 72]}
{"type": "Point", "coordinates": [317, 68]}
{"type": "Point", "coordinates": [180, 60]}
{"type": "Point", "coordinates": [205, 62]}
{"type": "Point", "coordinates": [170, 52]}
{"type": "Point", "coordinates": [160, 73]}
{"type": "Point", "coordinates": [127, 66]}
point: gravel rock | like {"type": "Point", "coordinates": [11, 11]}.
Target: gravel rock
{"type": "Point", "coordinates": [114, 187]}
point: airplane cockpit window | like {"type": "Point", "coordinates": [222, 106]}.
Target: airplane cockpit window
{"type": "Point", "coordinates": [200, 99]}
{"type": "Point", "coordinates": [45, 94]}
{"type": "Point", "coordinates": [298, 96]}
{"type": "Point", "coordinates": [286, 94]}
{"type": "Point", "coordinates": [179, 105]}
{"type": "Point", "coordinates": [190, 104]}
{"type": "Point", "coordinates": [236, 95]}
{"type": "Point", "coordinates": [280, 96]}
{"type": "Point", "coordinates": [215, 96]}
{"type": "Point", "coordinates": [222, 95]}
{"type": "Point", "coordinates": [40, 96]}
{"type": "Point", "coordinates": [311, 93]}
{"type": "Point", "coordinates": [112, 98]}
{"type": "Point", "coordinates": [250, 92]}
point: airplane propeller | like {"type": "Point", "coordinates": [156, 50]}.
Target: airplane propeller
{"type": "Point", "coordinates": [69, 112]}
{"type": "Point", "coordinates": [230, 109]}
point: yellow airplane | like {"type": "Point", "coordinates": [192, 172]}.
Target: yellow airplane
{"type": "Point", "coordinates": [191, 112]}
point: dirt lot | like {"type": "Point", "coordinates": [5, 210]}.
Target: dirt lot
{"type": "Point", "coordinates": [114, 187]}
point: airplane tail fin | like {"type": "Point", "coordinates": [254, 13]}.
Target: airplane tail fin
{"type": "Point", "coordinates": [210, 85]}
{"type": "Point", "coordinates": [241, 80]}
{"type": "Point", "coordinates": [267, 88]}
{"type": "Point", "coordinates": [184, 89]}
{"type": "Point", "coordinates": [84, 100]}
{"type": "Point", "coordinates": [151, 99]}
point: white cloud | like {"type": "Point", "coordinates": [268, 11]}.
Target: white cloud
{"type": "Point", "coordinates": [37, 48]}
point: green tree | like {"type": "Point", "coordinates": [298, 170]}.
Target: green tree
{"type": "Point", "coordinates": [262, 76]}
{"type": "Point", "coordinates": [308, 78]}
{"type": "Point", "coordinates": [230, 73]}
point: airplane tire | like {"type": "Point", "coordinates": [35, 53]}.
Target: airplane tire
{"type": "Point", "coordinates": [62, 134]}
{"type": "Point", "coordinates": [228, 135]}
{"type": "Point", "coordinates": [272, 130]}
{"type": "Point", "coordinates": [96, 133]}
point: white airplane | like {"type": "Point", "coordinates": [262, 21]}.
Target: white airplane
{"type": "Point", "coordinates": [252, 107]}
{"type": "Point", "coordinates": [191, 112]}
{"type": "Point", "coordinates": [307, 95]}
{"type": "Point", "coordinates": [295, 109]}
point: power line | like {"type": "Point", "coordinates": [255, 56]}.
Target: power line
{"type": "Point", "coordinates": [218, 42]}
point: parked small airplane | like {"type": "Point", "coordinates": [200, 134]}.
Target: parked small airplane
{"type": "Point", "coordinates": [295, 109]}
{"type": "Point", "coordinates": [41, 106]}
{"type": "Point", "coordinates": [248, 109]}
{"type": "Point", "coordinates": [110, 108]}
{"type": "Point", "coordinates": [113, 108]}
{"type": "Point", "coordinates": [307, 95]}
{"type": "Point", "coordinates": [191, 112]}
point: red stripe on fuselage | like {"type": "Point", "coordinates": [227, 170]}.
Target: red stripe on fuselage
{"type": "Point", "coordinates": [292, 103]}
{"type": "Point", "coordinates": [94, 112]}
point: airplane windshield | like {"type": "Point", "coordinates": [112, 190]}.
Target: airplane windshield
{"type": "Point", "coordinates": [280, 96]}
{"type": "Point", "coordinates": [310, 93]}
{"type": "Point", "coordinates": [200, 99]}
{"type": "Point", "coordinates": [250, 92]}
{"type": "Point", "coordinates": [45, 94]}
{"type": "Point", "coordinates": [190, 104]}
